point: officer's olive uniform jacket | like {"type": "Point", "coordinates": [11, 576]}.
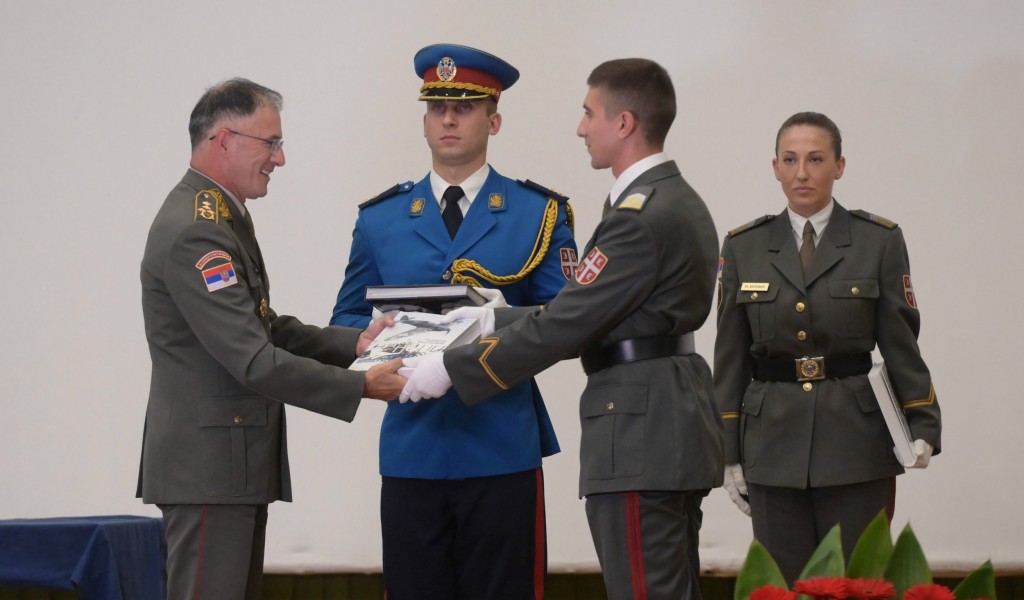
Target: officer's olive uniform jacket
{"type": "Point", "coordinates": [647, 425]}
{"type": "Point", "coordinates": [222, 365]}
{"type": "Point", "coordinates": [859, 294]}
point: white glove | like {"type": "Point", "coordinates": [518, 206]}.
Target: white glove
{"type": "Point", "coordinates": [495, 299]}
{"type": "Point", "coordinates": [923, 451]}
{"type": "Point", "coordinates": [485, 316]}
{"type": "Point", "coordinates": [429, 379]}
{"type": "Point", "coordinates": [736, 485]}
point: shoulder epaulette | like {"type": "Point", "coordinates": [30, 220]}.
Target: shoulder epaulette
{"type": "Point", "coordinates": [877, 220]}
{"type": "Point", "coordinates": [636, 199]}
{"type": "Point", "coordinates": [210, 205]}
{"type": "Point", "coordinates": [543, 190]}
{"type": "Point", "coordinates": [391, 191]}
{"type": "Point", "coordinates": [755, 223]}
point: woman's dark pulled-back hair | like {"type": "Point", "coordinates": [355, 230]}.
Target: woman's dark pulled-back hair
{"type": "Point", "coordinates": [813, 119]}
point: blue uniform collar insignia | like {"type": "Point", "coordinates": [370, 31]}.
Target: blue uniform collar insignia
{"type": "Point", "coordinates": [496, 202]}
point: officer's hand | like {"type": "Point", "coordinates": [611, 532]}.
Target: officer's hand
{"type": "Point", "coordinates": [736, 485]}
{"type": "Point", "coordinates": [484, 315]}
{"type": "Point", "coordinates": [428, 380]}
{"type": "Point", "coordinates": [495, 299]}
{"type": "Point", "coordinates": [383, 381]}
{"type": "Point", "coordinates": [372, 331]}
{"type": "Point", "coordinates": [923, 451]}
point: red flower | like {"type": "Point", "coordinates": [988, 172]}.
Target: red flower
{"type": "Point", "coordinates": [822, 587]}
{"type": "Point", "coordinates": [928, 591]}
{"type": "Point", "coordinates": [771, 592]}
{"type": "Point", "coordinates": [870, 589]}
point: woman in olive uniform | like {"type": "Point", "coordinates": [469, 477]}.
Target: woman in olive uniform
{"type": "Point", "coordinates": [804, 297]}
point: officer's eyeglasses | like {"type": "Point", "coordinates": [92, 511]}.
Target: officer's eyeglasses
{"type": "Point", "coordinates": [275, 144]}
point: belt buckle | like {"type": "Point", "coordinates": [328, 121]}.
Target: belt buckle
{"type": "Point", "coordinates": [810, 368]}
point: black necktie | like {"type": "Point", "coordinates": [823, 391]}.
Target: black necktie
{"type": "Point", "coordinates": [452, 214]}
{"type": "Point", "coordinates": [807, 247]}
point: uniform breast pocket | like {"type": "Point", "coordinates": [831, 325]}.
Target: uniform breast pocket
{"type": "Point", "coordinates": [227, 423]}
{"type": "Point", "coordinates": [854, 303]}
{"type": "Point", "coordinates": [612, 444]}
{"type": "Point", "coordinates": [760, 306]}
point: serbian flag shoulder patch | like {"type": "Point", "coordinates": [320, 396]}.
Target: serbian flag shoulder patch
{"type": "Point", "coordinates": [591, 267]}
{"type": "Point", "coordinates": [220, 277]}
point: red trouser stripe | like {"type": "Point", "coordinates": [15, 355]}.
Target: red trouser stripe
{"type": "Point", "coordinates": [634, 541]}
{"type": "Point", "coordinates": [202, 543]}
{"type": "Point", "coordinates": [540, 537]}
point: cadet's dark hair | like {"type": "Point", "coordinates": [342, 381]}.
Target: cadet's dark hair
{"type": "Point", "coordinates": [813, 119]}
{"type": "Point", "coordinates": [236, 97]}
{"type": "Point", "coordinates": [644, 88]}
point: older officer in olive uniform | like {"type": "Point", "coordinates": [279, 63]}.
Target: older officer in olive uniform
{"type": "Point", "coordinates": [804, 298]}
{"type": "Point", "coordinates": [224, 363]}
{"type": "Point", "coordinates": [652, 436]}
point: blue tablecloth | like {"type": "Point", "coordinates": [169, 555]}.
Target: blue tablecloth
{"type": "Point", "coordinates": [104, 558]}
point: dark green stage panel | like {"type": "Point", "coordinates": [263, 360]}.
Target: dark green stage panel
{"type": "Point", "coordinates": [559, 587]}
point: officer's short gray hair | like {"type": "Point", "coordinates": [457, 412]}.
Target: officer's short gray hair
{"type": "Point", "coordinates": [236, 97]}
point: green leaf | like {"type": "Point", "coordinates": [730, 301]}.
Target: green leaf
{"type": "Point", "coordinates": [981, 583]}
{"type": "Point", "coordinates": [758, 569]}
{"type": "Point", "coordinates": [872, 551]}
{"type": "Point", "coordinates": [907, 565]}
{"type": "Point", "coordinates": [827, 560]}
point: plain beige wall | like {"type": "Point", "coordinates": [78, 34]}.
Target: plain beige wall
{"type": "Point", "coordinates": [96, 97]}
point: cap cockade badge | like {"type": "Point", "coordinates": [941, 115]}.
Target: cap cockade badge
{"type": "Point", "coordinates": [446, 69]}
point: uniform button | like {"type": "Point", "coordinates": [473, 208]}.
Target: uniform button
{"type": "Point", "coordinates": [801, 335]}
{"type": "Point", "coordinates": [610, 405]}
{"type": "Point", "coordinates": [753, 296]}
{"type": "Point", "coordinates": [238, 420]}
{"type": "Point", "coordinates": [808, 387]}
{"type": "Point", "coordinates": [800, 306]}
{"type": "Point", "coordinates": [855, 291]}
{"type": "Point", "coordinates": [447, 275]}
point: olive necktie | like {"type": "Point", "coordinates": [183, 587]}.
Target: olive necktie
{"type": "Point", "coordinates": [807, 248]}
{"type": "Point", "coordinates": [452, 214]}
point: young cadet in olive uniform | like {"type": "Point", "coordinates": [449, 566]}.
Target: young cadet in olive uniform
{"type": "Point", "coordinates": [462, 499]}
{"type": "Point", "coordinates": [804, 434]}
{"type": "Point", "coordinates": [651, 445]}
{"type": "Point", "coordinates": [224, 363]}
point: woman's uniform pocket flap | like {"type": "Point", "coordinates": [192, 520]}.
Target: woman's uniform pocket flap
{"type": "Point", "coordinates": [853, 288]}
{"type": "Point", "coordinates": [233, 412]}
{"type": "Point", "coordinates": [752, 403]}
{"type": "Point", "coordinates": [752, 295]}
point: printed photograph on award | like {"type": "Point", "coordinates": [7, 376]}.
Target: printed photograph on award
{"type": "Point", "coordinates": [416, 334]}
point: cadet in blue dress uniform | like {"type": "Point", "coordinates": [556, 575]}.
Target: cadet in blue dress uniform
{"type": "Point", "coordinates": [462, 504]}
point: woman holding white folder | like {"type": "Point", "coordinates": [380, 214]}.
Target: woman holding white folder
{"type": "Point", "coordinates": [804, 297]}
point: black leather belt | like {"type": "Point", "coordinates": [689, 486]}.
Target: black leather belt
{"type": "Point", "coordinates": [811, 368]}
{"type": "Point", "coordinates": [627, 351]}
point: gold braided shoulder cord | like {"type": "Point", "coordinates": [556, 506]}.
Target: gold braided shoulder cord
{"type": "Point", "coordinates": [540, 249]}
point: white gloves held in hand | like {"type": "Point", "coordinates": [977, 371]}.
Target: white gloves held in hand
{"type": "Point", "coordinates": [428, 378]}
{"type": "Point", "coordinates": [736, 485]}
{"type": "Point", "coordinates": [923, 451]}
